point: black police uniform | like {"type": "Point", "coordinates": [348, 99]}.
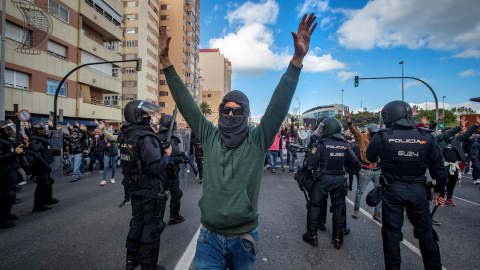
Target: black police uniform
{"type": "Point", "coordinates": [9, 163]}
{"type": "Point", "coordinates": [172, 181]}
{"type": "Point", "coordinates": [406, 153]}
{"type": "Point", "coordinates": [40, 145]}
{"type": "Point", "coordinates": [328, 158]}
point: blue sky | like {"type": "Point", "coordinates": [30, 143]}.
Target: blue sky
{"type": "Point", "coordinates": [438, 40]}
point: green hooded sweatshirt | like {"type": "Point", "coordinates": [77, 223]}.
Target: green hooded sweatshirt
{"type": "Point", "coordinates": [232, 176]}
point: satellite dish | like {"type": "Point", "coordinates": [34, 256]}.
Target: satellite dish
{"type": "Point", "coordinates": [302, 134]}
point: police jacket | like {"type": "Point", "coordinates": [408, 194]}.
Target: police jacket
{"type": "Point", "coordinates": [406, 154]}
{"type": "Point", "coordinates": [141, 157]}
{"type": "Point", "coordinates": [332, 156]}
{"type": "Point", "coordinates": [40, 145]}
{"type": "Point", "coordinates": [9, 163]}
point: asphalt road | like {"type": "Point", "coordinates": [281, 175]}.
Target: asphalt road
{"type": "Point", "coordinates": [87, 230]}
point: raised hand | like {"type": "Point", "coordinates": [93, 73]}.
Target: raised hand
{"type": "Point", "coordinates": [463, 121]}
{"type": "Point", "coordinates": [424, 120]}
{"type": "Point", "coordinates": [164, 41]}
{"type": "Point", "coordinates": [415, 111]}
{"type": "Point", "coordinates": [301, 39]}
{"type": "Point", "coordinates": [346, 112]}
{"type": "Point", "coordinates": [441, 117]}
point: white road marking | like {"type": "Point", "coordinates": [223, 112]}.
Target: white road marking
{"type": "Point", "coordinates": [477, 204]}
{"type": "Point", "coordinates": [405, 242]}
{"type": "Point", "coordinates": [187, 257]}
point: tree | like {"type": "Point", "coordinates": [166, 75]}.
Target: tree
{"type": "Point", "coordinates": [360, 119]}
{"type": "Point", "coordinates": [450, 119]}
{"type": "Point", "coordinates": [463, 110]}
{"type": "Point", "coordinates": [205, 108]}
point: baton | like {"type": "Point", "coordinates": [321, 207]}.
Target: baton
{"type": "Point", "coordinates": [436, 206]}
{"type": "Point", "coordinates": [170, 128]}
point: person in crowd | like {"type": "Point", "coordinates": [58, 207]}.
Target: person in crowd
{"type": "Point", "coordinates": [356, 149]}
{"type": "Point", "coordinates": [191, 156]}
{"type": "Point", "coordinates": [9, 162]}
{"type": "Point", "coordinates": [40, 145]}
{"type": "Point", "coordinates": [97, 148]}
{"type": "Point", "coordinates": [177, 158]}
{"type": "Point", "coordinates": [328, 158]}
{"type": "Point", "coordinates": [143, 160]}
{"type": "Point", "coordinates": [198, 152]}
{"type": "Point", "coordinates": [273, 151]}
{"type": "Point", "coordinates": [453, 154]}
{"type": "Point", "coordinates": [110, 157]}
{"type": "Point", "coordinates": [404, 166]}
{"type": "Point", "coordinates": [475, 157]}
{"type": "Point", "coordinates": [370, 171]}
{"type": "Point", "coordinates": [233, 155]}
{"type": "Point", "coordinates": [76, 144]}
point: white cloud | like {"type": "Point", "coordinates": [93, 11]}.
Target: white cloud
{"type": "Point", "coordinates": [344, 75]}
{"type": "Point", "coordinates": [257, 118]}
{"type": "Point", "coordinates": [251, 47]}
{"type": "Point", "coordinates": [317, 6]}
{"type": "Point", "coordinates": [451, 25]}
{"type": "Point", "coordinates": [431, 105]}
{"type": "Point", "coordinates": [468, 73]}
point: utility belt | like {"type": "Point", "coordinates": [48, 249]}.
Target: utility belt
{"type": "Point", "coordinates": [370, 168]}
{"type": "Point", "coordinates": [394, 182]}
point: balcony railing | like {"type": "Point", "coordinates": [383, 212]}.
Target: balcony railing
{"type": "Point", "coordinates": [112, 46]}
{"type": "Point", "coordinates": [113, 76]}
{"type": "Point", "coordinates": [105, 103]}
{"type": "Point", "coordinates": [105, 14]}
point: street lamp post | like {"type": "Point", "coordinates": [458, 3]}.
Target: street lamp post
{"type": "Point", "coordinates": [342, 107]}
{"type": "Point", "coordinates": [401, 63]}
{"type": "Point", "coordinates": [299, 116]}
{"type": "Point", "coordinates": [443, 110]}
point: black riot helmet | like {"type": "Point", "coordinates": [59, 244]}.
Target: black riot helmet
{"type": "Point", "coordinates": [165, 122]}
{"type": "Point", "coordinates": [7, 129]}
{"type": "Point", "coordinates": [398, 112]}
{"type": "Point", "coordinates": [38, 128]}
{"type": "Point", "coordinates": [135, 110]}
{"type": "Point", "coordinates": [330, 127]}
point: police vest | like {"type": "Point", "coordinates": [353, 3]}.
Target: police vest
{"type": "Point", "coordinates": [44, 149]}
{"type": "Point", "coordinates": [7, 147]}
{"type": "Point", "coordinates": [135, 170]}
{"type": "Point", "coordinates": [332, 156]}
{"type": "Point", "coordinates": [405, 154]}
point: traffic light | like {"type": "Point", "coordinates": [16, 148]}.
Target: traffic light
{"type": "Point", "coordinates": [356, 81]}
{"type": "Point", "coordinates": [50, 116]}
{"type": "Point", "coordinates": [441, 124]}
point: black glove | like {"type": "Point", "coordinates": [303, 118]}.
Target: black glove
{"type": "Point", "coordinates": [164, 145]}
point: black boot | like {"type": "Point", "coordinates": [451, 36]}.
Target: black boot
{"type": "Point", "coordinates": [311, 236]}
{"type": "Point", "coordinates": [346, 231]}
{"type": "Point", "coordinates": [132, 259]}
{"type": "Point", "coordinates": [12, 216]}
{"type": "Point", "coordinates": [337, 238]}
{"type": "Point", "coordinates": [176, 220]}
{"type": "Point", "coordinates": [43, 207]}
{"type": "Point", "coordinates": [52, 201]}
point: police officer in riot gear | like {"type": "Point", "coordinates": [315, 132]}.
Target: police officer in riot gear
{"type": "Point", "coordinates": [405, 154]}
{"type": "Point", "coordinates": [143, 162]}
{"type": "Point", "coordinates": [328, 159]}
{"type": "Point", "coordinates": [41, 148]}
{"type": "Point", "coordinates": [9, 163]}
{"type": "Point", "coordinates": [172, 183]}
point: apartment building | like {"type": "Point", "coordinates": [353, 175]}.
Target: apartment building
{"type": "Point", "coordinates": [216, 80]}
{"type": "Point", "coordinates": [181, 19]}
{"type": "Point", "coordinates": [82, 31]}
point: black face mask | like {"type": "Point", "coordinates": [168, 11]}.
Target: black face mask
{"type": "Point", "coordinates": [146, 120]}
{"type": "Point", "coordinates": [233, 129]}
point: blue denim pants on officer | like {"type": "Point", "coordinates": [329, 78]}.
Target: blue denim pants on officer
{"type": "Point", "coordinates": [365, 177]}
{"type": "Point", "coordinates": [217, 251]}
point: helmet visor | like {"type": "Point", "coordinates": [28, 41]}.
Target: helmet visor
{"type": "Point", "coordinates": [319, 129]}
{"type": "Point", "coordinates": [148, 107]}
{"type": "Point", "coordinates": [9, 129]}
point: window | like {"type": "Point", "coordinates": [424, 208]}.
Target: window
{"type": "Point", "coordinates": [116, 71]}
{"type": "Point", "coordinates": [165, 7]}
{"type": "Point", "coordinates": [129, 70]}
{"type": "Point", "coordinates": [209, 95]}
{"type": "Point", "coordinates": [129, 56]}
{"type": "Point", "coordinates": [52, 87]}
{"type": "Point", "coordinates": [130, 30]}
{"type": "Point", "coordinates": [58, 11]}
{"type": "Point", "coordinates": [130, 43]}
{"type": "Point", "coordinates": [110, 100]}
{"type": "Point", "coordinates": [164, 17]}
{"type": "Point", "coordinates": [131, 4]}
{"type": "Point", "coordinates": [155, 10]}
{"type": "Point", "coordinates": [57, 49]}
{"type": "Point", "coordinates": [131, 17]}
{"type": "Point", "coordinates": [128, 97]}
{"type": "Point", "coordinates": [17, 79]}
{"type": "Point", "coordinates": [15, 32]}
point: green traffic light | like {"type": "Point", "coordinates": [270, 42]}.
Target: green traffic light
{"type": "Point", "coordinates": [441, 125]}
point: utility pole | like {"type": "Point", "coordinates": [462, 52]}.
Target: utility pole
{"type": "Point", "coordinates": [2, 68]}
{"type": "Point", "coordinates": [401, 63]}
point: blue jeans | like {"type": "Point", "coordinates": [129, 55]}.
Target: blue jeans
{"type": "Point", "coordinates": [191, 162]}
{"type": "Point", "coordinates": [75, 161]}
{"type": "Point", "coordinates": [365, 177]}
{"type": "Point", "coordinates": [217, 251]}
{"type": "Point", "coordinates": [106, 162]}
{"type": "Point", "coordinates": [292, 157]}
{"type": "Point", "coordinates": [93, 157]}
{"type": "Point", "coordinates": [273, 158]}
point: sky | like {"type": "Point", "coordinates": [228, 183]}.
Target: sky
{"type": "Point", "coordinates": [438, 41]}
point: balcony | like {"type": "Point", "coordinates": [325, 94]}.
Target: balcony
{"type": "Point", "coordinates": [86, 110]}
{"type": "Point", "coordinates": [101, 20]}
{"type": "Point", "coordinates": [95, 78]}
{"type": "Point", "coordinates": [110, 51]}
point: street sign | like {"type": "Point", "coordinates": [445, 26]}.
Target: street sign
{"type": "Point", "coordinates": [24, 115]}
